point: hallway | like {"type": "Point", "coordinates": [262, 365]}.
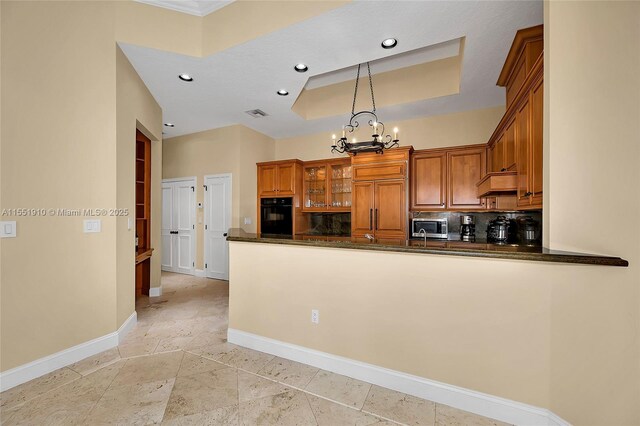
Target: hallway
{"type": "Point", "coordinates": [176, 368]}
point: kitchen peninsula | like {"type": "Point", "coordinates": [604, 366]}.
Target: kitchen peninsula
{"type": "Point", "coordinates": [450, 248]}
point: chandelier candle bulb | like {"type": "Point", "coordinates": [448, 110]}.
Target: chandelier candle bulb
{"type": "Point", "coordinates": [395, 133]}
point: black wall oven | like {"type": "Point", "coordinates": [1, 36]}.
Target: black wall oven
{"type": "Point", "coordinates": [276, 216]}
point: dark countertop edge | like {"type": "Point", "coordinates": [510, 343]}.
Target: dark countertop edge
{"type": "Point", "coordinates": [575, 258]}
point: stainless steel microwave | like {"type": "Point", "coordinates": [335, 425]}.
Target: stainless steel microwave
{"type": "Point", "coordinates": [434, 228]}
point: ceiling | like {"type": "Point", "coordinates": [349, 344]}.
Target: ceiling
{"type": "Point", "coordinates": [192, 7]}
{"type": "Point", "coordinates": [247, 76]}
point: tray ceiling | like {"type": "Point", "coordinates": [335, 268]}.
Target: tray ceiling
{"type": "Point", "coordinates": [247, 76]}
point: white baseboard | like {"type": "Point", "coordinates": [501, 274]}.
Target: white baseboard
{"type": "Point", "coordinates": [464, 399]}
{"type": "Point", "coordinates": [155, 291]}
{"type": "Point", "coordinates": [199, 273]}
{"type": "Point", "coordinates": [42, 366]}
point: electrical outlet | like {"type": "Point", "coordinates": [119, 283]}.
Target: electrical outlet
{"type": "Point", "coordinates": [315, 316]}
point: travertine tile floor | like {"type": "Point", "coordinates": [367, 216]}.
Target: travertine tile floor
{"type": "Point", "coordinates": [176, 368]}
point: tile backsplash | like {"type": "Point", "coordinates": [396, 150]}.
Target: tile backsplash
{"type": "Point", "coordinates": [482, 220]}
{"type": "Point", "coordinates": [330, 224]}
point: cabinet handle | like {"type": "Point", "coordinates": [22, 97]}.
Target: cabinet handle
{"type": "Point", "coordinates": [442, 204]}
{"type": "Point", "coordinates": [370, 219]}
{"type": "Point", "coordinates": [526, 194]}
{"type": "Point", "coordinates": [503, 169]}
{"type": "Point", "coordinates": [376, 219]}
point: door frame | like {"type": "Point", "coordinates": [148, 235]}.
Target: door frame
{"type": "Point", "coordinates": [206, 217]}
{"type": "Point", "coordinates": [194, 180]}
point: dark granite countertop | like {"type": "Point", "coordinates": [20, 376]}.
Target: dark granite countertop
{"type": "Point", "coordinates": [441, 247]}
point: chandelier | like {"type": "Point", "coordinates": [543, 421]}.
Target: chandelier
{"type": "Point", "coordinates": [379, 141]}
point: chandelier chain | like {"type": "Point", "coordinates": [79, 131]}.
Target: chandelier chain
{"type": "Point", "coordinates": [355, 92]}
{"type": "Point", "coordinates": [373, 100]}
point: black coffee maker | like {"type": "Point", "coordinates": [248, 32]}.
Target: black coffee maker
{"type": "Point", "coordinates": [467, 228]}
{"type": "Point", "coordinates": [528, 231]}
{"type": "Point", "coordinates": [502, 231]}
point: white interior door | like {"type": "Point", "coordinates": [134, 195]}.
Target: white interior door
{"type": "Point", "coordinates": [178, 225]}
{"type": "Point", "coordinates": [184, 226]}
{"type": "Point", "coordinates": [217, 212]}
{"type": "Point", "coordinates": [167, 226]}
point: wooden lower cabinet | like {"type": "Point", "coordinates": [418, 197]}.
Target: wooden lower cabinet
{"type": "Point", "coordinates": [390, 210]}
{"type": "Point", "coordinates": [362, 211]}
{"type": "Point", "coordinates": [465, 168]}
{"type": "Point", "coordinates": [379, 209]}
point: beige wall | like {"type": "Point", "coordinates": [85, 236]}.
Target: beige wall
{"type": "Point", "coordinates": [464, 128]}
{"type": "Point", "coordinates": [58, 150]}
{"type": "Point", "coordinates": [564, 337]}
{"type": "Point", "coordinates": [237, 23]}
{"type": "Point", "coordinates": [71, 104]}
{"type": "Point", "coordinates": [592, 59]}
{"type": "Point", "coordinates": [135, 108]}
{"type": "Point", "coordinates": [232, 149]}
{"type": "Point", "coordinates": [245, 20]}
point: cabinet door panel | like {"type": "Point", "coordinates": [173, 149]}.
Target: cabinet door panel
{"type": "Point", "coordinates": [465, 169]}
{"type": "Point", "coordinates": [536, 144]}
{"type": "Point", "coordinates": [388, 170]}
{"type": "Point", "coordinates": [390, 215]}
{"type": "Point", "coordinates": [497, 155]}
{"type": "Point", "coordinates": [285, 176]}
{"type": "Point", "coordinates": [362, 209]}
{"type": "Point", "coordinates": [522, 149]}
{"type": "Point", "coordinates": [509, 143]}
{"type": "Point", "coordinates": [267, 180]}
{"type": "Point", "coordinates": [428, 181]}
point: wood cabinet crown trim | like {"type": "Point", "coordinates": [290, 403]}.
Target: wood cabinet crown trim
{"type": "Point", "coordinates": [277, 162]}
{"type": "Point", "coordinates": [445, 149]}
{"type": "Point", "coordinates": [509, 114]}
{"type": "Point", "coordinates": [526, 35]}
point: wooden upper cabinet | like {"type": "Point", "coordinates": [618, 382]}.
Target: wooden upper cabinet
{"type": "Point", "coordinates": [517, 142]}
{"type": "Point", "coordinates": [267, 180]}
{"type": "Point", "coordinates": [389, 215]}
{"type": "Point", "coordinates": [509, 147]}
{"type": "Point", "coordinates": [363, 205]}
{"type": "Point", "coordinates": [286, 179]}
{"type": "Point", "coordinates": [536, 143]}
{"type": "Point", "coordinates": [497, 155]}
{"type": "Point", "coordinates": [428, 181]}
{"type": "Point", "coordinates": [465, 168]}
{"type": "Point", "coordinates": [522, 148]}
{"type": "Point", "coordinates": [502, 154]}
{"type": "Point", "coordinates": [277, 179]}
{"type": "Point", "coordinates": [526, 48]}
{"type": "Point", "coordinates": [529, 145]}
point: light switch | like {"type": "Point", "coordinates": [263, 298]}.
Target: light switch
{"type": "Point", "coordinates": [129, 223]}
{"type": "Point", "coordinates": [91, 226]}
{"type": "Point", "coordinates": [8, 229]}
{"type": "Point", "coordinates": [247, 221]}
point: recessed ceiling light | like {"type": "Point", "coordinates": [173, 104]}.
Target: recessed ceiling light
{"type": "Point", "coordinates": [185, 77]}
{"type": "Point", "coordinates": [169, 124]}
{"type": "Point", "coordinates": [301, 68]}
{"type": "Point", "coordinates": [282, 92]}
{"type": "Point", "coordinates": [389, 43]}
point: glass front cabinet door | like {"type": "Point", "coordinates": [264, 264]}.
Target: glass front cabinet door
{"type": "Point", "coordinates": [327, 186]}
{"type": "Point", "coordinates": [340, 186]}
{"type": "Point", "coordinates": [315, 187]}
